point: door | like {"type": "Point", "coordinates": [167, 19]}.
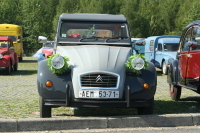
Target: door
{"type": "Point", "coordinates": [159, 55]}
{"type": "Point", "coordinates": [193, 67]}
{"type": "Point", "coordinates": [183, 56]}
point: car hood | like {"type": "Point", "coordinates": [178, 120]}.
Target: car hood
{"type": "Point", "coordinates": [170, 54]}
{"type": "Point", "coordinates": [3, 50]}
{"type": "Point", "coordinates": [95, 58]}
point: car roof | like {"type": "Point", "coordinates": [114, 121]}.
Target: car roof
{"type": "Point", "coordinates": [93, 17]}
{"type": "Point", "coordinates": [197, 22]}
{"type": "Point", "coordinates": [4, 38]}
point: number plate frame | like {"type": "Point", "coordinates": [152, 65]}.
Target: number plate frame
{"type": "Point", "coordinates": [98, 94]}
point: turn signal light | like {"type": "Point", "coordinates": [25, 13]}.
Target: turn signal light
{"type": "Point", "coordinates": [49, 84]}
{"type": "Point", "coordinates": [146, 86]}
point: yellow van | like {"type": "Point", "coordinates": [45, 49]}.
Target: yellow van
{"type": "Point", "coordinates": [15, 32]}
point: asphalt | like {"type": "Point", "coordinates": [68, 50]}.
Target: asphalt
{"type": "Point", "coordinates": [69, 123]}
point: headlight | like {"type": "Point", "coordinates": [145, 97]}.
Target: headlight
{"type": "Point", "coordinates": [1, 56]}
{"type": "Point", "coordinates": [170, 60]}
{"type": "Point", "coordinates": [57, 62]}
{"type": "Point", "coordinates": [137, 63]}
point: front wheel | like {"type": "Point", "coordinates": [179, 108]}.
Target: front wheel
{"type": "Point", "coordinates": [45, 111]}
{"type": "Point", "coordinates": [15, 67]}
{"type": "Point", "coordinates": [164, 68]}
{"type": "Point", "coordinates": [147, 110]}
{"type": "Point", "coordinates": [8, 69]}
{"type": "Point", "coordinates": [175, 92]}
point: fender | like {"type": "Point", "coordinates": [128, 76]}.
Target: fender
{"type": "Point", "coordinates": [166, 58]}
{"type": "Point", "coordinates": [172, 76]}
{"type": "Point", "coordinates": [15, 58]}
{"type": "Point", "coordinates": [5, 61]}
{"type": "Point", "coordinates": [59, 82]}
{"type": "Point", "coordinates": [135, 82]}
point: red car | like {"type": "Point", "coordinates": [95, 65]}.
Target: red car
{"type": "Point", "coordinates": [185, 69]}
{"type": "Point", "coordinates": [8, 58]}
{"type": "Point", "coordinates": [47, 48]}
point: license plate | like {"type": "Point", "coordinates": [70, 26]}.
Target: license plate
{"type": "Point", "coordinates": [98, 94]}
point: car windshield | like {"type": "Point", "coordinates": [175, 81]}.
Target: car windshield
{"type": "Point", "coordinates": [48, 44]}
{"type": "Point", "coordinates": [90, 32]}
{"type": "Point", "coordinates": [3, 44]}
{"type": "Point", "coordinates": [14, 38]}
{"type": "Point", "coordinates": [171, 46]}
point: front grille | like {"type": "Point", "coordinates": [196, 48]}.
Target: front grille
{"type": "Point", "coordinates": [99, 80]}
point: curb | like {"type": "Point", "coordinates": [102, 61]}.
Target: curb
{"type": "Point", "coordinates": [66, 123]}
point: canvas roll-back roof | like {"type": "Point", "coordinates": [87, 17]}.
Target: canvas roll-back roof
{"type": "Point", "coordinates": [93, 17]}
{"type": "Point", "coordinates": [197, 22]}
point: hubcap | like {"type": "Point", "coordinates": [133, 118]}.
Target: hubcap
{"type": "Point", "coordinates": [164, 68]}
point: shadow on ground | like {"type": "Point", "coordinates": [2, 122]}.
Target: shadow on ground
{"type": "Point", "coordinates": [186, 105]}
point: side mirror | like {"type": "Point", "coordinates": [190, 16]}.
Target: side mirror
{"type": "Point", "coordinates": [11, 48]}
{"type": "Point", "coordinates": [192, 44]}
{"type": "Point", "coordinates": [42, 39]}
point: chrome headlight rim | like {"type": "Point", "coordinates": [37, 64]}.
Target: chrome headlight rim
{"type": "Point", "coordinates": [137, 63]}
{"type": "Point", "coordinates": [57, 62]}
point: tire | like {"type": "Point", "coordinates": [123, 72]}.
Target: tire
{"type": "Point", "coordinates": [8, 70]}
{"type": "Point", "coordinates": [164, 68]}
{"type": "Point", "coordinates": [147, 110]}
{"type": "Point", "coordinates": [45, 111]}
{"type": "Point", "coordinates": [175, 92]}
{"type": "Point", "coordinates": [20, 59]}
{"type": "Point", "coordinates": [15, 67]}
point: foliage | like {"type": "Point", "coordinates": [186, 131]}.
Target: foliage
{"type": "Point", "coordinates": [129, 64]}
{"type": "Point", "coordinates": [61, 70]}
{"type": "Point", "coordinates": [146, 17]}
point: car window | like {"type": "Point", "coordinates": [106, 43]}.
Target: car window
{"type": "Point", "coordinates": [159, 47]}
{"type": "Point", "coordinates": [89, 30]}
{"type": "Point", "coordinates": [3, 44]}
{"type": "Point", "coordinates": [185, 40]}
{"type": "Point", "coordinates": [151, 45]}
{"type": "Point", "coordinates": [196, 37]}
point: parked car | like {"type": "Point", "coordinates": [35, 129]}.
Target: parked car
{"type": "Point", "coordinates": [161, 50]}
{"type": "Point", "coordinates": [8, 57]}
{"type": "Point", "coordinates": [138, 45]}
{"type": "Point", "coordinates": [47, 48]}
{"type": "Point", "coordinates": [44, 52]}
{"type": "Point", "coordinates": [184, 70]}
{"type": "Point", "coordinates": [93, 66]}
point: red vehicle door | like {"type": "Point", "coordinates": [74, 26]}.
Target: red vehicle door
{"type": "Point", "coordinates": [183, 56]}
{"type": "Point", "coordinates": [193, 67]}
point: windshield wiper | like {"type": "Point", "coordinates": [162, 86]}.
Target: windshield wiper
{"type": "Point", "coordinates": [92, 37]}
{"type": "Point", "coordinates": [117, 37]}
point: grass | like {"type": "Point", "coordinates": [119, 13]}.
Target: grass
{"type": "Point", "coordinates": [19, 97]}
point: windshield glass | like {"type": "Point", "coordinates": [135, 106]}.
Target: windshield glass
{"type": "Point", "coordinates": [14, 38]}
{"type": "Point", "coordinates": [48, 44]}
{"type": "Point", "coordinates": [93, 31]}
{"type": "Point", "coordinates": [171, 46]}
{"type": "Point", "coordinates": [3, 44]}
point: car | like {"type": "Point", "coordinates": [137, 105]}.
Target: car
{"type": "Point", "coordinates": [184, 70]}
{"type": "Point", "coordinates": [47, 48]}
{"type": "Point", "coordinates": [138, 45]}
{"type": "Point", "coordinates": [8, 57]}
{"type": "Point", "coordinates": [92, 65]}
{"type": "Point", "coordinates": [44, 52]}
{"type": "Point", "coordinates": [162, 50]}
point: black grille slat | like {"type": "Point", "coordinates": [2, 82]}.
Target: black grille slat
{"type": "Point", "coordinates": [90, 80]}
